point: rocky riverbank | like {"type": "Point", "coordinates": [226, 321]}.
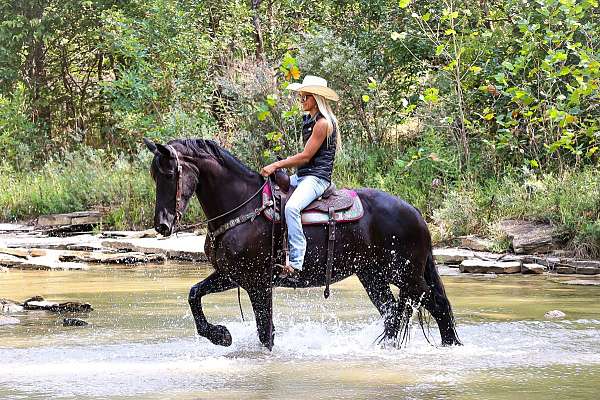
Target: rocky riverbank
{"type": "Point", "coordinates": [22, 247]}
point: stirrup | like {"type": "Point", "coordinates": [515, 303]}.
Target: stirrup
{"type": "Point", "coordinates": [286, 271]}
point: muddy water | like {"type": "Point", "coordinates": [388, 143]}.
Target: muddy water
{"type": "Point", "coordinates": [141, 343]}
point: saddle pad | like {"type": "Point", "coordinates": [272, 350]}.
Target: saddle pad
{"type": "Point", "coordinates": [315, 217]}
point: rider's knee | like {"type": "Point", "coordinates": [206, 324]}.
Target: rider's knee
{"type": "Point", "coordinates": [291, 210]}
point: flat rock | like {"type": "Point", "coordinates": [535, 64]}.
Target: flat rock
{"type": "Point", "coordinates": [587, 270]}
{"type": "Point", "coordinates": [555, 314]}
{"type": "Point", "coordinates": [114, 258]}
{"type": "Point", "coordinates": [533, 268]}
{"type": "Point", "coordinates": [476, 243]}
{"type": "Point", "coordinates": [148, 233]}
{"type": "Point", "coordinates": [549, 262]}
{"type": "Point", "coordinates": [582, 282]}
{"type": "Point", "coordinates": [23, 253]}
{"type": "Point", "coordinates": [38, 303]}
{"type": "Point", "coordinates": [186, 246]}
{"type": "Point", "coordinates": [8, 260]}
{"type": "Point", "coordinates": [74, 218]}
{"type": "Point", "coordinates": [445, 270]}
{"type": "Point", "coordinates": [46, 263]}
{"type": "Point", "coordinates": [484, 255]}
{"type": "Point", "coordinates": [529, 237]}
{"type": "Point", "coordinates": [564, 269]}
{"type": "Point", "coordinates": [452, 255]}
{"type": "Point", "coordinates": [486, 267]}
{"type": "Point", "coordinates": [6, 320]}
{"type": "Point", "coordinates": [183, 246]}
{"type": "Point", "coordinates": [74, 322]}
{"type": "Point", "coordinates": [15, 228]}
{"type": "Point", "coordinates": [39, 241]}
{"type": "Point", "coordinates": [585, 263]}
{"type": "Point", "coordinates": [10, 306]}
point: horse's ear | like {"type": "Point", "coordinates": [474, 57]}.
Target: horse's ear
{"type": "Point", "coordinates": [150, 145]}
{"type": "Point", "coordinates": [163, 150]}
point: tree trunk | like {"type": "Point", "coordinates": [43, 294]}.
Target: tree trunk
{"type": "Point", "coordinates": [260, 48]}
{"type": "Point", "coordinates": [35, 73]}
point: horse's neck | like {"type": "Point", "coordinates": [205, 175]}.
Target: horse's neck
{"type": "Point", "coordinates": [221, 190]}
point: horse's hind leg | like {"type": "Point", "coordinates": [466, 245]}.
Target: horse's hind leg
{"type": "Point", "coordinates": [380, 293]}
{"type": "Point", "coordinates": [407, 275]}
{"type": "Point", "coordinates": [215, 283]}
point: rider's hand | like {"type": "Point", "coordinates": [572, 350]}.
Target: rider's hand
{"type": "Point", "coordinates": [268, 170]}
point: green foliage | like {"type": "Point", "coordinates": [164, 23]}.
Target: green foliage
{"type": "Point", "coordinates": [413, 171]}
{"type": "Point", "coordinates": [18, 135]}
{"type": "Point", "coordinates": [160, 87]}
{"type": "Point", "coordinates": [448, 104]}
{"type": "Point", "coordinates": [366, 105]}
{"type": "Point", "coordinates": [520, 78]}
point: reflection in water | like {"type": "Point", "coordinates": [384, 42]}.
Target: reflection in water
{"type": "Point", "coordinates": [142, 343]}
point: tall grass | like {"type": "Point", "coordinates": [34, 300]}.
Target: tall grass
{"type": "Point", "coordinates": [422, 174]}
{"type": "Point", "coordinates": [120, 187]}
{"type": "Point", "coordinates": [570, 201]}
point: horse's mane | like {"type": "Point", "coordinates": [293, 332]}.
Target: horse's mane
{"type": "Point", "coordinates": [204, 147]}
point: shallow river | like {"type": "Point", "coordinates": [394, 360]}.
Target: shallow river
{"type": "Point", "coordinates": [141, 343]}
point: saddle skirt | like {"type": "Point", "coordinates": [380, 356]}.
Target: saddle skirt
{"type": "Point", "coordinates": [346, 203]}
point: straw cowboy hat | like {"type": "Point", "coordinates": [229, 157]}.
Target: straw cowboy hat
{"type": "Point", "coordinates": [315, 85]}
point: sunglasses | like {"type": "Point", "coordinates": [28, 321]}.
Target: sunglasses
{"type": "Point", "coordinates": [305, 97]}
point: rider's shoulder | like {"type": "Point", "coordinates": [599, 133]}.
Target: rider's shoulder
{"type": "Point", "coordinates": [321, 122]}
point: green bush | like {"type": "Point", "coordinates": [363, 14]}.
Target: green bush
{"type": "Point", "coordinates": [18, 135]}
{"type": "Point", "coordinates": [570, 201]}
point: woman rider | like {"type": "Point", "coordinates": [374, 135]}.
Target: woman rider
{"type": "Point", "coordinates": [314, 164]}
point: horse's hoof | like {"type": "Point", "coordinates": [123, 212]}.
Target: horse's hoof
{"type": "Point", "coordinates": [220, 336]}
{"type": "Point", "coordinates": [266, 342]}
{"type": "Point", "coordinates": [268, 345]}
{"type": "Point", "coordinates": [451, 342]}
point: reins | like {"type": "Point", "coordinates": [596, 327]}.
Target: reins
{"type": "Point", "coordinates": [183, 228]}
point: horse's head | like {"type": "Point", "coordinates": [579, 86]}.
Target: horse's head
{"type": "Point", "coordinates": [176, 181]}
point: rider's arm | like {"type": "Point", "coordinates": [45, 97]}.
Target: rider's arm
{"type": "Point", "coordinates": [314, 142]}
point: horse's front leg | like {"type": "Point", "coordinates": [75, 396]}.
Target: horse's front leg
{"type": "Point", "coordinates": [215, 283]}
{"type": "Point", "coordinates": [262, 304]}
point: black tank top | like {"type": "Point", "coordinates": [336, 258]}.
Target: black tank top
{"type": "Point", "coordinates": [321, 164]}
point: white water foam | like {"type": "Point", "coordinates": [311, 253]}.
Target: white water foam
{"type": "Point", "coordinates": [137, 368]}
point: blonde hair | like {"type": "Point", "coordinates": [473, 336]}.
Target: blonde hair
{"type": "Point", "coordinates": [325, 110]}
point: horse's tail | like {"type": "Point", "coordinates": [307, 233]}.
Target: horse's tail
{"type": "Point", "coordinates": [438, 304]}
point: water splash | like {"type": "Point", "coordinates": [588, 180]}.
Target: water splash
{"type": "Point", "coordinates": [151, 366]}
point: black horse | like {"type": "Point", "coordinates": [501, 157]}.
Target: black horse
{"type": "Point", "coordinates": [390, 244]}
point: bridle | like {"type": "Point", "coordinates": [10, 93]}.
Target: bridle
{"type": "Point", "coordinates": [179, 183]}
{"type": "Point", "coordinates": [223, 228]}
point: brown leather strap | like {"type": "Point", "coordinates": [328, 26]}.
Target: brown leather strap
{"type": "Point", "coordinates": [179, 184]}
{"type": "Point", "coordinates": [284, 239]}
{"type": "Point", "coordinates": [240, 220]}
{"type": "Point", "coordinates": [330, 246]}
{"type": "Point", "coordinates": [271, 265]}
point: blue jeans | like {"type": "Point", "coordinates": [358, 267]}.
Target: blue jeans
{"type": "Point", "coordinates": [308, 188]}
